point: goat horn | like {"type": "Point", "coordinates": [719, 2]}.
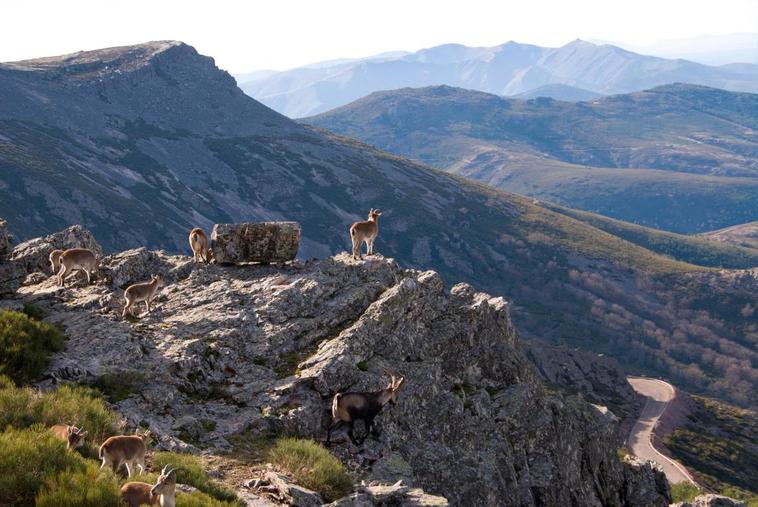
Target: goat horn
{"type": "Point", "coordinates": [163, 472]}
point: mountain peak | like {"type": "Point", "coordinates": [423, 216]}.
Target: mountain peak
{"type": "Point", "coordinates": [115, 59]}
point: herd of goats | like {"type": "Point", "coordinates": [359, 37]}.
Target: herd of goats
{"type": "Point", "coordinates": [130, 450]}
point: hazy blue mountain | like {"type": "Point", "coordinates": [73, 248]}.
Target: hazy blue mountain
{"type": "Point", "coordinates": [508, 69]}
{"type": "Point", "coordinates": [679, 157]}
{"type": "Point", "coordinates": [707, 49]}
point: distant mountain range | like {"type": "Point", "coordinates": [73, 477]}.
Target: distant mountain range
{"type": "Point", "coordinates": [508, 69]}
{"type": "Point", "coordinates": [141, 143]}
{"type": "Point", "coordinates": [707, 49]}
{"type": "Point", "coordinates": [679, 157]}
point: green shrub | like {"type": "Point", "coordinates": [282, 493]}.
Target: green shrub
{"type": "Point", "coordinates": [684, 492]}
{"type": "Point", "coordinates": [27, 458]}
{"type": "Point", "coordinates": [26, 345]}
{"type": "Point", "coordinates": [90, 487]}
{"type": "Point", "coordinates": [22, 407]}
{"type": "Point", "coordinates": [312, 466]}
{"type": "Point", "coordinates": [199, 499]}
{"type": "Point", "coordinates": [190, 470]}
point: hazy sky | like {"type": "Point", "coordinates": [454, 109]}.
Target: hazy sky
{"type": "Point", "coordinates": [250, 35]}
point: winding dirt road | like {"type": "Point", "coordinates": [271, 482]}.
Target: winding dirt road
{"type": "Point", "coordinates": [658, 394]}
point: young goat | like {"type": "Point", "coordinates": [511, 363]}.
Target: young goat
{"type": "Point", "coordinates": [199, 243]}
{"type": "Point", "coordinates": [351, 407]}
{"type": "Point", "coordinates": [365, 231]}
{"type": "Point", "coordinates": [141, 292]}
{"type": "Point", "coordinates": [126, 450]}
{"type": "Point", "coordinates": [73, 436]}
{"type": "Point", "coordinates": [74, 259]}
{"type": "Point", "coordinates": [141, 493]}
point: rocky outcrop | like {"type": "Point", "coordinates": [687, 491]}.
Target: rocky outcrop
{"type": "Point", "coordinates": [711, 500]}
{"type": "Point", "coordinates": [263, 348]}
{"type": "Point", "coordinates": [33, 254]}
{"type": "Point", "coordinates": [390, 495]}
{"type": "Point", "coordinates": [255, 242]}
{"type": "Point", "coordinates": [598, 377]}
{"type": "Point", "coordinates": [644, 483]}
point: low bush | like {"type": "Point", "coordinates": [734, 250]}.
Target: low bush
{"type": "Point", "coordinates": [90, 487]}
{"type": "Point", "coordinates": [189, 470]}
{"type": "Point", "coordinates": [28, 457]}
{"type": "Point", "coordinates": [684, 492]}
{"type": "Point", "coordinates": [312, 466]}
{"type": "Point", "coordinates": [200, 499]}
{"type": "Point", "coordinates": [26, 345]}
{"type": "Point", "coordinates": [22, 407]}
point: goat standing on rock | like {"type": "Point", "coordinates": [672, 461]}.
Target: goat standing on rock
{"type": "Point", "coordinates": [73, 259]}
{"type": "Point", "coordinates": [367, 231]}
{"type": "Point", "coordinates": [141, 292]}
{"type": "Point", "coordinates": [199, 243]}
{"type": "Point", "coordinates": [350, 407]}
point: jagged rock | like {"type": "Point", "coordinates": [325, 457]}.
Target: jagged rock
{"type": "Point", "coordinates": [12, 276]}
{"type": "Point", "coordinates": [255, 242]}
{"type": "Point", "coordinates": [249, 499]}
{"type": "Point", "coordinates": [33, 254]}
{"type": "Point", "coordinates": [263, 348]}
{"type": "Point", "coordinates": [711, 500]}
{"type": "Point", "coordinates": [6, 240]}
{"type": "Point", "coordinates": [394, 495]}
{"type": "Point", "coordinates": [597, 377]}
{"type": "Point", "coordinates": [139, 264]}
{"type": "Point", "coordinates": [282, 489]}
{"type": "Point", "coordinates": [644, 483]}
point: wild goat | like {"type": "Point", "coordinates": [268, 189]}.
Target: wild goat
{"type": "Point", "coordinates": [141, 292]}
{"type": "Point", "coordinates": [199, 243]}
{"type": "Point", "coordinates": [365, 231]}
{"type": "Point", "coordinates": [128, 450]}
{"type": "Point", "coordinates": [141, 493]}
{"type": "Point", "coordinates": [72, 260]}
{"type": "Point", "coordinates": [73, 436]}
{"type": "Point", "coordinates": [351, 407]}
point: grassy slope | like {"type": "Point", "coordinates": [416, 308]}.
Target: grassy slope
{"type": "Point", "coordinates": [720, 445]}
{"type": "Point", "coordinates": [692, 249]}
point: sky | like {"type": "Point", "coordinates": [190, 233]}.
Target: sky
{"type": "Point", "coordinates": [244, 36]}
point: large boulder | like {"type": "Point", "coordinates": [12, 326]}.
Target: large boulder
{"type": "Point", "coordinates": [255, 242]}
{"type": "Point", "coordinates": [33, 254]}
{"type": "Point", "coordinates": [395, 495]}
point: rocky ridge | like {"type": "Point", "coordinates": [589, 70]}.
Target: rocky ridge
{"type": "Point", "coordinates": [261, 349]}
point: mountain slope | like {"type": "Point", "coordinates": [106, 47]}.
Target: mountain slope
{"type": "Point", "coordinates": [558, 92]}
{"type": "Point", "coordinates": [745, 235]}
{"type": "Point", "coordinates": [507, 69]}
{"type": "Point", "coordinates": [571, 153]}
{"type": "Point", "coordinates": [139, 144]}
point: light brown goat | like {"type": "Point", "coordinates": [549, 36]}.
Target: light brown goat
{"type": "Point", "coordinates": [199, 243]}
{"type": "Point", "coordinates": [73, 436]}
{"type": "Point", "coordinates": [141, 292]}
{"type": "Point", "coordinates": [367, 231]}
{"type": "Point", "coordinates": [75, 259]}
{"type": "Point", "coordinates": [142, 493]}
{"type": "Point", "coordinates": [128, 450]}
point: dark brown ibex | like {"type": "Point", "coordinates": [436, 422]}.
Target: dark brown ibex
{"type": "Point", "coordinates": [350, 407]}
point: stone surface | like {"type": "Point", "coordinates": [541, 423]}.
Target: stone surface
{"type": "Point", "coordinates": [138, 265]}
{"type": "Point", "coordinates": [262, 348]}
{"type": "Point", "coordinates": [385, 494]}
{"type": "Point", "coordinates": [282, 489]}
{"type": "Point", "coordinates": [33, 254]}
{"type": "Point", "coordinates": [599, 378]}
{"type": "Point", "coordinates": [255, 242]}
{"type": "Point", "coordinates": [644, 483]}
{"type": "Point", "coordinates": [711, 500]}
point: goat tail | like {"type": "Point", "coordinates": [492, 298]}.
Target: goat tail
{"type": "Point", "coordinates": [195, 237]}
{"type": "Point", "coordinates": [335, 405]}
{"type": "Point", "coordinates": [100, 451]}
